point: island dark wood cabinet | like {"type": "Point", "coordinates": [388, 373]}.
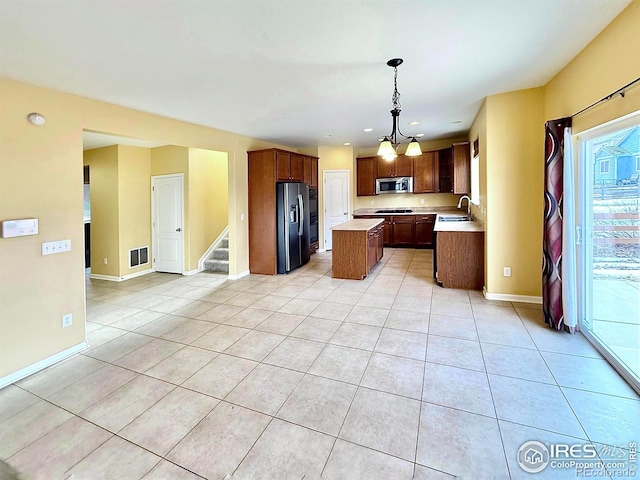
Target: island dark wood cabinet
{"type": "Point", "coordinates": [460, 259]}
{"type": "Point", "coordinates": [356, 248]}
{"type": "Point", "coordinates": [366, 174]}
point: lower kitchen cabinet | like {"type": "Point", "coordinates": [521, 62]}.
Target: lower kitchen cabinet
{"type": "Point", "coordinates": [356, 248]}
{"type": "Point", "coordinates": [424, 230]}
{"type": "Point", "coordinates": [460, 260]}
{"type": "Point", "coordinates": [406, 230]}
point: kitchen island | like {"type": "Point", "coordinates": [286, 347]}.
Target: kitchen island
{"type": "Point", "coordinates": [357, 247]}
{"type": "Point", "coordinates": [459, 254]}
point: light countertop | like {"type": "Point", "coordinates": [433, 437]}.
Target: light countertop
{"type": "Point", "coordinates": [359, 224]}
{"type": "Point", "coordinates": [414, 211]}
{"type": "Point", "coordinates": [441, 226]}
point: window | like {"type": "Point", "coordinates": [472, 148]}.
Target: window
{"type": "Point", "coordinates": [475, 180]}
{"type": "Point", "coordinates": [604, 166]}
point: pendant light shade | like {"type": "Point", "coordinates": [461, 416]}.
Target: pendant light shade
{"type": "Point", "coordinates": [413, 149]}
{"type": "Point", "coordinates": [386, 148]}
{"type": "Point", "coordinates": [389, 144]}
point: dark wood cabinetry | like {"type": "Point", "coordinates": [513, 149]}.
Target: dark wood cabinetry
{"type": "Point", "coordinates": [289, 166]}
{"type": "Point", "coordinates": [366, 174]}
{"type": "Point", "coordinates": [425, 173]}
{"type": "Point", "coordinates": [310, 171]}
{"type": "Point", "coordinates": [356, 248]}
{"type": "Point", "coordinates": [445, 171]}
{"type": "Point", "coordinates": [406, 230]}
{"type": "Point", "coordinates": [401, 166]}
{"type": "Point", "coordinates": [460, 259]}
{"type": "Point", "coordinates": [265, 167]}
{"type": "Point", "coordinates": [461, 168]}
{"type": "Point", "coordinates": [424, 230]}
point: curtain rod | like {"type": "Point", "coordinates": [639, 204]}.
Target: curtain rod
{"type": "Point", "coordinates": [608, 97]}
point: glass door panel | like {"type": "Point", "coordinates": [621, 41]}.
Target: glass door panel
{"type": "Point", "coordinates": [609, 278]}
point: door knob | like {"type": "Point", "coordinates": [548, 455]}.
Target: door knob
{"type": "Point", "coordinates": [178, 229]}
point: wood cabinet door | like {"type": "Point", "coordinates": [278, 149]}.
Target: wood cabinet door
{"type": "Point", "coordinates": [385, 169]}
{"type": "Point", "coordinates": [404, 230]}
{"type": "Point", "coordinates": [461, 168]}
{"type": "Point", "coordinates": [445, 173]}
{"type": "Point", "coordinates": [424, 230]}
{"type": "Point", "coordinates": [297, 168]}
{"type": "Point", "coordinates": [372, 249]}
{"type": "Point", "coordinates": [283, 166]}
{"type": "Point", "coordinates": [387, 232]}
{"type": "Point", "coordinates": [366, 176]}
{"type": "Point", "coordinates": [425, 173]}
{"type": "Point", "coordinates": [314, 172]}
{"type": "Point", "coordinates": [403, 166]}
{"type": "Point", "coordinates": [306, 171]}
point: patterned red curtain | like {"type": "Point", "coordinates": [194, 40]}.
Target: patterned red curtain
{"type": "Point", "coordinates": [552, 235]}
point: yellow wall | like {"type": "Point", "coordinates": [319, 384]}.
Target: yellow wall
{"type": "Point", "coordinates": [514, 208]}
{"type": "Point", "coordinates": [105, 228]}
{"type": "Point", "coordinates": [41, 177]}
{"type": "Point", "coordinates": [134, 194]}
{"type": "Point", "coordinates": [208, 199]}
{"type": "Point", "coordinates": [609, 62]}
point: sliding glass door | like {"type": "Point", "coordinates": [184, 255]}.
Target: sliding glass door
{"type": "Point", "coordinates": [609, 243]}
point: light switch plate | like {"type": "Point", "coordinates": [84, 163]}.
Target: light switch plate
{"type": "Point", "coordinates": [49, 248]}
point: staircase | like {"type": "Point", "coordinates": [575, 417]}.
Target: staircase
{"type": "Point", "coordinates": [218, 261]}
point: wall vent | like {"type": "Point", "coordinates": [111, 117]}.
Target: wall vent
{"type": "Point", "coordinates": [138, 256]}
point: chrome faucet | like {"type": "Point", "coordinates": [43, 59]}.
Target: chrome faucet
{"type": "Point", "coordinates": [468, 204]}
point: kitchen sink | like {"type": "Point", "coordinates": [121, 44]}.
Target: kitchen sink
{"type": "Point", "coordinates": [454, 218]}
{"type": "Point", "coordinates": [399, 210]}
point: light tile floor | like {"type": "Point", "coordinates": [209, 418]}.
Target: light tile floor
{"type": "Point", "coordinates": [305, 376]}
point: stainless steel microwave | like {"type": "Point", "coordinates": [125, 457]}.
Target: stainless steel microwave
{"type": "Point", "coordinates": [394, 185]}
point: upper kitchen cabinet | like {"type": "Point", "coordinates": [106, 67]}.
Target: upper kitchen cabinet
{"type": "Point", "coordinates": [289, 167]}
{"type": "Point", "coordinates": [310, 171]}
{"type": "Point", "coordinates": [425, 173]}
{"type": "Point", "coordinates": [401, 166]}
{"type": "Point", "coordinates": [445, 170]}
{"type": "Point", "coordinates": [461, 168]}
{"type": "Point", "coordinates": [366, 175]}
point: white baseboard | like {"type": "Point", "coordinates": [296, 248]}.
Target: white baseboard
{"type": "Point", "coordinates": [111, 278]}
{"type": "Point", "coordinates": [507, 297]}
{"type": "Point", "coordinates": [211, 248]}
{"type": "Point", "coordinates": [41, 365]}
{"type": "Point", "coordinates": [192, 272]}
{"type": "Point", "coordinates": [321, 250]}
{"type": "Point", "coordinates": [238, 275]}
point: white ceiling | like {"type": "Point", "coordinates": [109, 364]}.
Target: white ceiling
{"type": "Point", "coordinates": [290, 71]}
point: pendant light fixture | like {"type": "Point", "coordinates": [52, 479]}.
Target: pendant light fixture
{"type": "Point", "coordinates": [388, 148]}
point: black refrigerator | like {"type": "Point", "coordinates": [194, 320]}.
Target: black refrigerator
{"type": "Point", "coordinates": [292, 215]}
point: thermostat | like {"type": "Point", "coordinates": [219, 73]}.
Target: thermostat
{"type": "Point", "coordinates": [19, 228]}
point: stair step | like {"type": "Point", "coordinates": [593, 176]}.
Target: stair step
{"type": "Point", "coordinates": [220, 254]}
{"type": "Point", "coordinates": [217, 266]}
{"type": "Point", "coordinates": [224, 243]}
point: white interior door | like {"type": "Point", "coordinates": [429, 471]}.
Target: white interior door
{"type": "Point", "coordinates": [167, 226]}
{"type": "Point", "coordinates": [336, 201]}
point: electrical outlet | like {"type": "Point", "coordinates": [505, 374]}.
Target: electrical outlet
{"type": "Point", "coordinates": [422, 201]}
{"type": "Point", "coordinates": [371, 202]}
{"type": "Point", "coordinates": [242, 217]}
{"type": "Point", "coordinates": [67, 320]}
{"type": "Point", "coordinates": [507, 271]}
{"type": "Point", "coordinates": [106, 260]}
